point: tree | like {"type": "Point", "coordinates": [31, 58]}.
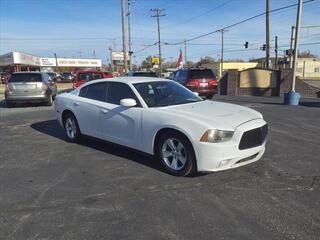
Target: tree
{"type": "Point", "coordinates": [306, 54]}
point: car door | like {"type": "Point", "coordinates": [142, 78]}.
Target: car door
{"type": "Point", "coordinates": [120, 124]}
{"type": "Point", "coordinates": [87, 107]}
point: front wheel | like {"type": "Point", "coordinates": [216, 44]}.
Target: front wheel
{"type": "Point", "coordinates": [176, 154]}
{"type": "Point", "coordinates": [72, 128]}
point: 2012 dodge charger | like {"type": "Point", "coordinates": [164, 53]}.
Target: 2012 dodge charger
{"type": "Point", "coordinates": [160, 117]}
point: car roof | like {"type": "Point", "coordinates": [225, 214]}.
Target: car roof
{"type": "Point", "coordinates": [89, 70]}
{"type": "Point", "coordinates": [130, 80]}
{"type": "Point", "coordinates": [31, 72]}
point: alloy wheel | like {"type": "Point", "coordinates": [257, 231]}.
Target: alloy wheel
{"type": "Point", "coordinates": [174, 154]}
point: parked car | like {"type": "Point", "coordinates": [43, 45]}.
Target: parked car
{"type": "Point", "coordinates": [202, 81]}
{"type": "Point", "coordinates": [67, 77]}
{"type": "Point", "coordinates": [84, 76]}
{"type": "Point", "coordinates": [54, 76]}
{"type": "Point", "coordinates": [4, 76]}
{"type": "Point", "coordinates": [163, 118]}
{"type": "Point", "coordinates": [30, 87]}
{"type": "Point", "coordinates": [142, 74]}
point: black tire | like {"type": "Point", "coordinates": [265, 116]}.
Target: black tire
{"type": "Point", "coordinates": [50, 100]}
{"type": "Point", "coordinates": [77, 134]}
{"type": "Point", "coordinates": [210, 96]}
{"type": "Point", "coordinates": [190, 165]}
{"type": "Point", "coordinates": [10, 104]}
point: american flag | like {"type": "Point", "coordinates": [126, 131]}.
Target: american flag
{"type": "Point", "coordinates": [180, 61]}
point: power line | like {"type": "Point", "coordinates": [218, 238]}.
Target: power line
{"type": "Point", "coordinates": [242, 21]}
{"type": "Point", "coordinates": [204, 13]}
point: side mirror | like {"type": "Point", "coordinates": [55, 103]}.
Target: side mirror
{"type": "Point", "coordinates": [128, 102]}
{"type": "Point", "coordinates": [196, 93]}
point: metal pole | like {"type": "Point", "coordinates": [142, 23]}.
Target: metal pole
{"type": "Point", "coordinates": [129, 36]}
{"type": "Point", "coordinates": [124, 49]}
{"type": "Point", "coordinates": [291, 45]}
{"type": "Point", "coordinates": [159, 42]}
{"type": "Point", "coordinates": [276, 53]}
{"type": "Point", "coordinates": [296, 45]}
{"type": "Point", "coordinates": [267, 33]}
{"type": "Point", "coordinates": [185, 54]}
{"type": "Point", "coordinates": [55, 57]}
{"type": "Point", "coordinates": [158, 15]}
{"type": "Point", "coordinates": [222, 45]}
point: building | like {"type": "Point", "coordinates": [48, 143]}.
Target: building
{"type": "Point", "coordinates": [216, 66]}
{"type": "Point", "coordinates": [18, 61]}
{"type": "Point", "coordinates": [306, 67]}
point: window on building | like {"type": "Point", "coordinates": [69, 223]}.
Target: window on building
{"type": "Point", "coordinates": [317, 69]}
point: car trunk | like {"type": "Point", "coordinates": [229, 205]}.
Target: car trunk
{"type": "Point", "coordinates": [25, 84]}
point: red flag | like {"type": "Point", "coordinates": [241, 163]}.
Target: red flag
{"type": "Point", "coordinates": [180, 61]}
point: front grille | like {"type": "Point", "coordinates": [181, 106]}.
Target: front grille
{"type": "Point", "coordinates": [253, 138]}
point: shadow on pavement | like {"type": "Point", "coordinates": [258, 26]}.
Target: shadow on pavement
{"type": "Point", "coordinates": [310, 104]}
{"type": "Point", "coordinates": [52, 128]}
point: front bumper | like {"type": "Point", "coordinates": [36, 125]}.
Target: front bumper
{"type": "Point", "coordinates": [226, 155]}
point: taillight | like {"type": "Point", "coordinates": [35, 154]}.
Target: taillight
{"type": "Point", "coordinates": [192, 83]}
{"type": "Point", "coordinates": [213, 82]}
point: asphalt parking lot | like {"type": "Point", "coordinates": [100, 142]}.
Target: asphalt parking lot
{"type": "Point", "coordinates": [52, 189]}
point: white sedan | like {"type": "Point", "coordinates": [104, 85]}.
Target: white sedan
{"type": "Point", "coordinates": [160, 117]}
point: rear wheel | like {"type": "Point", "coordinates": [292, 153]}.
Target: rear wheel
{"type": "Point", "coordinates": [50, 100]}
{"type": "Point", "coordinates": [176, 154]}
{"type": "Point", "coordinates": [210, 96]}
{"type": "Point", "coordinates": [9, 104]}
{"type": "Point", "coordinates": [72, 128]}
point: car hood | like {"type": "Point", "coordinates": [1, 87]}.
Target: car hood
{"type": "Point", "coordinates": [216, 114]}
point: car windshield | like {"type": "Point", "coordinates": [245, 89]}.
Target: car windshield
{"type": "Point", "coordinates": [165, 93]}
{"type": "Point", "coordinates": [88, 76]}
{"type": "Point", "coordinates": [201, 73]}
{"type": "Point", "coordinates": [66, 74]}
{"type": "Point", "coordinates": [25, 77]}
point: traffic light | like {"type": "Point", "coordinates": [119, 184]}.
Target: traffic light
{"type": "Point", "coordinates": [246, 45]}
{"type": "Point", "coordinates": [263, 47]}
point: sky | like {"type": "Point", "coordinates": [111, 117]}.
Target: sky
{"type": "Point", "coordinates": [68, 27]}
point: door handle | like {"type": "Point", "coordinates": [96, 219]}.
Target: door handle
{"type": "Point", "coordinates": [103, 111]}
{"type": "Point", "coordinates": [76, 104]}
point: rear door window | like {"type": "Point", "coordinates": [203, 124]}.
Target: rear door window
{"type": "Point", "coordinates": [26, 77]}
{"type": "Point", "coordinates": [88, 76]}
{"type": "Point", "coordinates": [118, 91]}
{"type": "Point", "coordinates": [96, 91]}
{"type": "Point", "coordinates": [182, 78]}
{"type": "Point", "coordinates": [201, 73]}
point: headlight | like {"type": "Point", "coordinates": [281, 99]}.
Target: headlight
{"type": "Point", "coordinates": [215, 136]}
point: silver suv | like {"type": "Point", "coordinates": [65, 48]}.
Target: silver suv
{"type": "Point", "coordinates": [25, 87]}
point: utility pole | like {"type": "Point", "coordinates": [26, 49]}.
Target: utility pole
{"type": "Point", "coordinates": [185, 53]}
{"type": "Point", "coordinates": [94, 53]}
{"type": "Point", "coordinates": [55, 57]}
{"type": "Point", "coordinates": [222, 45]}
{"type": "Point", "coordinates": [158, 14]}
{"type": "Point", "coordinates": [129, 35]}
{"type": "Point", "coordinates": [111, 61]}
{"type": "Point", "coordinates": [267, 33]}
{"type": "Point", "coordinates": [124, 47]}
{"type": "Point", "coordinates": [276, 53]}
{"type": "Point", "coordinates": [171, 62]}
{"type": "Point", "coordinates": [291, 46]}
{"type": "Point", "coordinates": [296, 45]}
